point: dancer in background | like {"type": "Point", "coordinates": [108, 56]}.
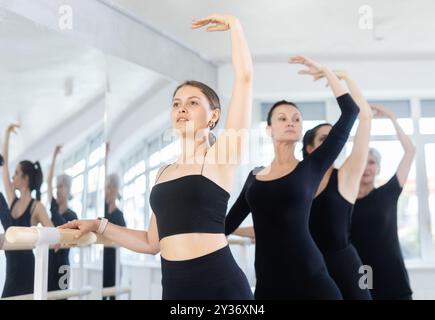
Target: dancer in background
{"type": "Point", "coordinates": [288, 263]}
{"type": "Point", "coordinates": [331, 211]}
{"type": "Point", "coordinates": [115, 216]}
{"type": "Point", "coordinates": [24, 211]}
{"type": "Point", "coordinates": [61, 213]}
{"type": "Point", "coordinates": [374, 223]}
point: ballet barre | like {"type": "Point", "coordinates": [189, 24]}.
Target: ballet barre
{"type": "Point", "coordinates": [116, 291]}
{"type": "Point", "coordinates": [55, 295]}
{"type": "Point", "coordinates": [243, 243]}
{"type": "Point", "coordinates": [42, 238]}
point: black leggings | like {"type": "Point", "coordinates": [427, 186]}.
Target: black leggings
{"type": "Point", "coordinates": [215, 276]}
{"type": "Point", "coordinates": [285, 286]}
{"type": "Point", "coordinates": [20, 269]}
{"type": "Point", "coordinates": [404, 297]}
{"type": "Point", "coordinates": [343, 266]}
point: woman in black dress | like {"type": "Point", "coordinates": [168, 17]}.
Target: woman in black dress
{"type": "Point", "coordinates": [288, 263]}
{"type": "Point", "coordinates": [61, 213]}
{"type": "Point", "coordinates": [24, 212]}
{"type": "Point", "coordinates": [331, 211]}
{"type": "Point", "coordinates": [374, 223]}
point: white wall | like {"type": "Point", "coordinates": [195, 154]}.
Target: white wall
{"type": "Point", "coordinates": [273, 80]}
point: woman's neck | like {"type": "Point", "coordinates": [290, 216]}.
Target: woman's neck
{"type": "Point", "coordinates": [63, 207]}
{"type": "Point", "coordinates": [112, 206]}
{"type": "Point", "coordinates": [365, 189]}
{"type": "Point", "coordinates": [284, 154]}
{"type": "Point", "coordinates": [193, 150]}
{"type": "Point", "coordinates": [25, 194]}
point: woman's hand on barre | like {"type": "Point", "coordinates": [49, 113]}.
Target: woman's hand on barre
{"type": "Point", "coordinates": [247, 232]}
{"type": "Point", "coordinates": [84, 226]}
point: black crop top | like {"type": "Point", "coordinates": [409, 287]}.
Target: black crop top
{"type": "Point", "coordinates": [189, 204]}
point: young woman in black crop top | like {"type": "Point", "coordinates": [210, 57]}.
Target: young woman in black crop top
{"type": "Point", "coordinates": [288, 263]}
{"type": "Point", "coordinates": [190, 196]}
{"type": "Point", "coordinates": [24, 212]}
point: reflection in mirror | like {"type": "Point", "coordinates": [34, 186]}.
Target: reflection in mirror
{"type": "Point", "coordinates": [52, 105]}
{"type": "Point", "coordinates": [134, 95]}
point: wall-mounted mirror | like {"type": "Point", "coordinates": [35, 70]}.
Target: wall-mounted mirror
{"type": "Point", "coordinates": [52, 110]}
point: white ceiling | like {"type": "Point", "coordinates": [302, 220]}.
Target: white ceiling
{"type": "Point", "coordinates": [38, 69]}
{"type": "Point", "coordinates": [37, 65]}
{"type": "Point", "coordinates": [130, 84]}
{"type": "Point", "coordinates": [278, 28]}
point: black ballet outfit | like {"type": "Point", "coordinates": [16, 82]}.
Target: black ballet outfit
{"type": "Point", "coordinates": [374, 234]}
{"type": "Point", "coordinates": [20, 265]}
{"type": "Point", "coordinates": [60, 258]}
{"type": "Point", "coordinates": [109, 258]}
{"type": "Point", "coordinates": [330, 223]}
{"type": "Point", "coordinates": [288, 263]}
{"type": "Point", "coordinates": [196, 204]}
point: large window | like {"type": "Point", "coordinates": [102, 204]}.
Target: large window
{"type": "Point", "coordinates": [430, 169]}
{"type": "Point", "coordinates": [427, 119]}
{"type": "Point", "coordinates": [77, 172]}
{"type": "Point", "coordinates": [95, 178]}
{"type": "Point", "coordinates": [133, 194]}
{"type": "Point", "coordinates": [86, 168]}
{"type": "Point", "coordinates": [427, 129]}
{"type": "Point", "coordinates": [139, 172]}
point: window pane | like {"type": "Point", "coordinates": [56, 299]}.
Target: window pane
{"type": "Point", "coordinates": [76, 169]}
{"type": "Point", "coordinates": [77, 193]}
{"type": "Point", "coordinates": [93, 175]}
{"type": "Point", "coordinates": [428, 108]}
{"type": "Point", "coordinates": [430, 170]}
{"type": "Point", "coordinates": [384, 127]}
{"type": "Point", "coordinates": [168, 152]}
{"type": "Point", "coordinates": [427, 125]}
{"type": "Point", "coordinates": [77, 184]}
{"type": "Point", "coordinates": [427, 119]}
{"type": "Point", "coordinates": [152, 177]}
{"type": "Point", "coordinates": [96, 155]}
{"type": "Point", "coordinates": [155, 159]}
{"type": "Point", "coordinates": [134, 203]}
{"type": "Point", "coordinates": [91, 206]}
{"type": "Point", "coordinates": [401, 108]}
{"type": "Point", "coordinates": [44, 194]}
